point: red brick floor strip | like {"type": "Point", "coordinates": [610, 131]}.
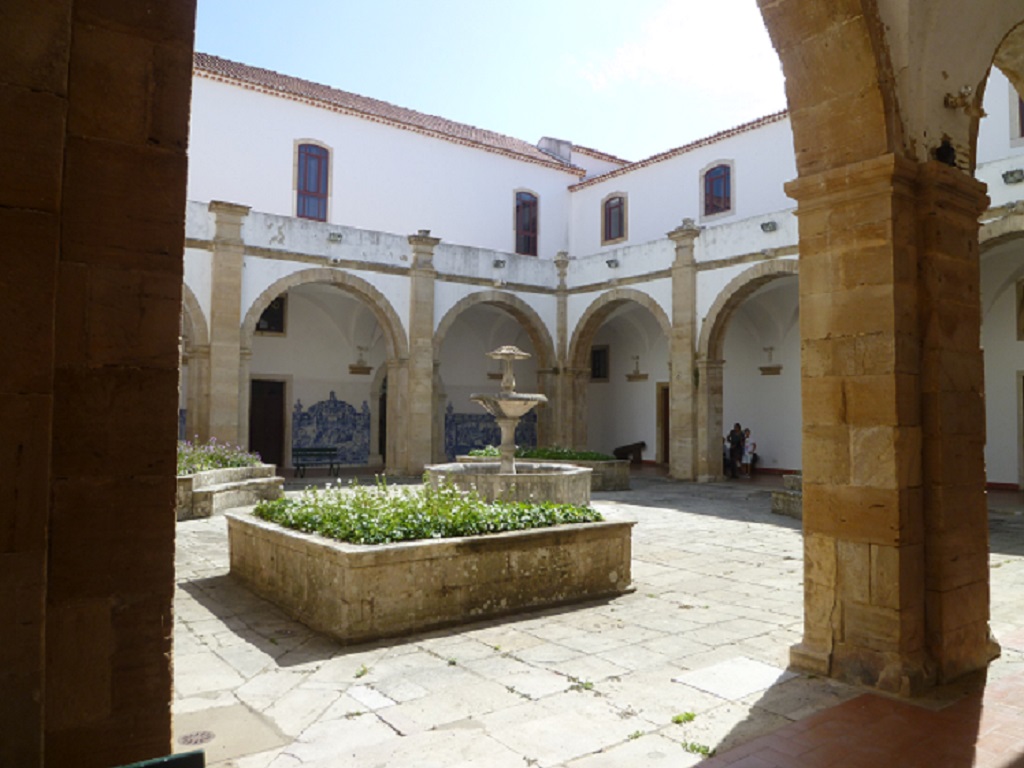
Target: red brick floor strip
{"type": "Point", "coordinates": [982, 730]}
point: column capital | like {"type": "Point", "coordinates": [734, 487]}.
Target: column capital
{"type": "Point", "coordinates": [423, 248]}
{"type": "Point", "coordinates": [686, 232]}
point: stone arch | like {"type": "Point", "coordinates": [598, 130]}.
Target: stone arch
{"type": "Point", "coordinates": [194, 353]}
{"type": "Point", "coordinates": [192, 318]}
{"type": "Point", "coordinates": [517, 308]}
{"type": "Point", "coordinates": [543, 348]}
{"type": "Point", "coordinates": [596, 314]}
{"type": "Point", "coordinates": [578, 359]}
{"type": "Point", "coordinates": [377, 302]}
{"type": "Point", "coordinates": [712, 329]}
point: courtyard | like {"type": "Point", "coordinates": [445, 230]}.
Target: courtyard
{"type": "Point", "coordinates": [692, 660]}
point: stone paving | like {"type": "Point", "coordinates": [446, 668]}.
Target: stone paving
{"type": "Point", "coordinates": [694, 659]}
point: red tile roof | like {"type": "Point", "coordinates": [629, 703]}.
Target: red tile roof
{"type": "Point", "coordinates": [706, 141]}
{"type": "Point", "coordinates": [296, 89]}
{"type": "Point", "coordinates": [599, 155]}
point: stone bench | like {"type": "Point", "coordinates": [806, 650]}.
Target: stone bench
{"type": "Point", "coordinates": [314, 457]}
{"type": "Point", "coordinates": [789, 500]}
{"type": "Point", "coordinates": [204, 494]}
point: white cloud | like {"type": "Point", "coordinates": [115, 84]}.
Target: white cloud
{"type": "Point", "coordinates": [697, 49]}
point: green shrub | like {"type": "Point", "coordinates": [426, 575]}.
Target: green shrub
{"type": "Point", "coordinates": [199, 457]}
{"type": "Point", "coordinates": [380, 515]}
{"type": "Point", "coordinates": [550, 453]}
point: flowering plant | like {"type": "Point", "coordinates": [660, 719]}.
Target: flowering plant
{"type": "Point", "coordinates": [198, 457]}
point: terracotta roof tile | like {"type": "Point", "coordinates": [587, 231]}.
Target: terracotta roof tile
{"type": "Point", "coordinates": [693, 145]}
{"type": "Point", "coordinates": [268, 81]}
{"type": "Point", "coordinates": [599, 155]}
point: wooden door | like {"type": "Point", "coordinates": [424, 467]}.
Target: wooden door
{"type": "Point", "coordinates": [266, 420]}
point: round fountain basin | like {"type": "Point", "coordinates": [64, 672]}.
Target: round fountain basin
{"type": "Point", "coordinates": [533, 481]}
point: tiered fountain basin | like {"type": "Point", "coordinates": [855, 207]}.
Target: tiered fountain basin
{"type": "Point", "coordinates": [606, 474]}
{"type": "Point", "coordinates": [531, 481]}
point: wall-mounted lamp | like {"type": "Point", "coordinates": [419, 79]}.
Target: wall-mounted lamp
{"type": "Point", "coordinates": [359, 367]}
{"type": "Point", "coordinates": [499, 264]}
{"type": "Point", "coordinates": [769, 226]}
{"type": "Point", "coordinates": [334, 237]}
{"type": "Point", "coordinates": [635, 374]}
{"type": "Point", "coordinates": [1015, 176]}
{"type": "Point", "coordinates": [613, 263]}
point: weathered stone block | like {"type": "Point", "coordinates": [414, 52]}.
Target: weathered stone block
{"type": "Point", "coordinates": [359, 593]}
{"type": "Point", "coordinates": [854, 570]}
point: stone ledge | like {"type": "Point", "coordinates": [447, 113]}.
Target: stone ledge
{"type": "Point", "coordinates": [607, 475]}
{"type": "Point", "coordinates": [206, 493]}
{"type": "Point", "coordinates": [357, 593]}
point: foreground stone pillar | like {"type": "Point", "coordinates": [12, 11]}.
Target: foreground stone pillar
{"type": "Point", "coordinates": [682, 345]}
{"type": "Point", "coordinates": [895, 531]}
{"type": "Point", "coordinates": [227, 423]}
{"type": "Point", "coordinates": [92, 207]}
{"type": "Point", "coordinates": [710, 429]}
{"type": "Point", "coordinates": [557, 382]}
{"type": "Point", "coordinates": [417, 415]}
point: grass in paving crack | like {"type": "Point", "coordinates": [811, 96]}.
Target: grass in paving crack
{"type": "Point", "coordinates": [580, 685]}
{"type": "Point", "coordinates": [698, 749]}
{"type": "Point", "coordinates": [683, 717]}
{"type": "Point", "coordinates": [380, 515]}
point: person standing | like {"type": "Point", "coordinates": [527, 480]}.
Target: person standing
{"type": "Point", "coordinates": [735, 447]}
{"type": "Point", "coordinates": [749, 446]}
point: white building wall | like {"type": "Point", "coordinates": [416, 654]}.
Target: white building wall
{"type": "Point", "coordinates": [662, 194]}
{"type": "Point", "coordinates": [242, 149]}
{"type": "Point", "coordinates": [1002, 268]}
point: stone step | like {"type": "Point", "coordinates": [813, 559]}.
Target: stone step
{"type": "Point", "coordinates": [788, 503]}
{"type": "Point", "coordinates": [242, 493]}
{"type": "Point", "coordinates": [793, 482]}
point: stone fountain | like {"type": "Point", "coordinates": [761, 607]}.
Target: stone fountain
{"type": "Point", "coordinates": [508, 479]}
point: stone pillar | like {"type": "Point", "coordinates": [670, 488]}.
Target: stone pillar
{"type": "Point", "coordinates": [396, 449]}
{"type": "Point", "coordinates": [557, 381]}
{"type": "Point", "coordinates": [895, 531]}
{"type": "Point", "coordinates": [197, 415]}
{"type": "Point", "coordinates": [683, 446]}
{"type": "Point", "coordinates": [92, 224]}
{"type": "Point", "coordinates": [578, 380]}
{"type": "Point", "coordinates": [417, 416]}
{"type": "Point", "coordinates": [227, 424]}
{"type": "Point", "coordinates": [710, 429]}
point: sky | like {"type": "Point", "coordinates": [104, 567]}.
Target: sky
{"type": "Point", "coordinates": [628, 82]}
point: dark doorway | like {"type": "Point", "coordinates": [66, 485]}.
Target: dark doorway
{"type": "Point", "coordinates": [266, 420]}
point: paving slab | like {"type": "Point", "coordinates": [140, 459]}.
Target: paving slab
{"type": "Point", "coordinates": [717, 605]}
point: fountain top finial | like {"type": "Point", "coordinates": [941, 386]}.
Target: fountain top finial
{"type": "Point", "coordinates": [508, 354]}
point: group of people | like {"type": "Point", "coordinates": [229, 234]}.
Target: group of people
{"type": "Point", "coordinates": [739, 452]}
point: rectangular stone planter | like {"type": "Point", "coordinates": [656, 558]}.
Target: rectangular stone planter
{"type": "Point", "coordinates": [204, 493]}
{"type": "Point", "coordinates": [357, 593]}
{"type": "Point", "coordinates": [607, 475]}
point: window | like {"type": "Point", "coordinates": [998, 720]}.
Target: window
{"type": "Point", "coordinates": [717, 190]}
{"type": "Point", "coordinates": [599, 363]}
{"type": "Point", "coordinates": [1020, 117]}
{"type": "Point", "coordinates": [272, 319]}
{"type": "Point", "coordinates": [526, 223]}
{"type": "Point", "coordinates": [311, 182]}
{"type": "Point", "coordinates": [613, 227]}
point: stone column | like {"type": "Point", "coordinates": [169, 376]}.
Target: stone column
{"type": "Point", "coordinates": [578, 380]}
{"type": "Point", "coordinates": [557, 381]}
{"type": "Point", "coordinates": [895, 587]}
{"type": "Point", "coordinates": [197, 415]}
{"type": "Point", "coordinates": [417, 416]}
{"type": "Point", "coordinates": [396, 449]}
{"type": "Point", "coordinates": [682, 420]}
{"type": "Point", "coordinates": [226, 423]}
{"type": "Point", "coordinates": [710, 429]}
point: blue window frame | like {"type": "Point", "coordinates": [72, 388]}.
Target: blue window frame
{"type": "Point", "coordinates": [717, 190]}
{"type": "Point", "coordinates": [311, 202]}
